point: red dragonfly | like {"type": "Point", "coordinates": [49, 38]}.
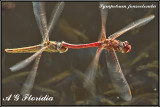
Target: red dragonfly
{"type": "Point", "coordinates": [110, 45]}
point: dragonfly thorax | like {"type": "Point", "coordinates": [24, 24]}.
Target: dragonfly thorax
{"type": "Point", "coordinates": [117, 45]}
{"type": "Point", "coordinates": [54, 46]}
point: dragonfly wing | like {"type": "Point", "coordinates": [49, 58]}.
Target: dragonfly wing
{"type": "Point", "coordinates": [135, 24]}
{"type": "Point", "coordinates": [25, 62]}
{"type": "Point", "coordinates": [104, 14]}
{"type": "Point", "coordinates": [28, 85]}
{"type": "Point", "coordinates": [40, 15]}
{"type": "Point", "coordinates": [91, 73]}
{"type": "Point", "coordinates": [117, 76]}
{"type": "Point", "coordinates": [55, 15]}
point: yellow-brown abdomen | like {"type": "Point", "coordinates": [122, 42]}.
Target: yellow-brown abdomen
{"type": "Point", "coordinates": [30, 49]}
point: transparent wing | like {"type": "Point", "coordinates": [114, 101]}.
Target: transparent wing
{"type": "Point", "coordinates": [116, 75]}
{"type": "Point", "coordinates": [40, 15]}
{"type": "Point", "coordinates": [89, 80]}
{"type": "Point", "coordinates": [25, 62]}
{"type": "Point", "coordinates": [28, 85]}
{"type": "Point", "coordinates": [104, 14]}
{"type": "Point", "coordinates": [91, 73]}
{"type": "Point", "coordinates": [55, 15]}
{"type": "Point", "coordinates": [135, 24]}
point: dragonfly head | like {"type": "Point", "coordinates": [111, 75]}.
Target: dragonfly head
{"type": "Point", "coordinates": [60, 48]}
{"type": "Point", "coordinates": [126, 47]}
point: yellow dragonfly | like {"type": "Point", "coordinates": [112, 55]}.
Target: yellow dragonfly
{"type": "Point", "coordinates": [46, 45]}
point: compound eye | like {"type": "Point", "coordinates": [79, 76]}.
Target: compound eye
{"type": "Point", "coordinates": [126, 43]}
{"type": "Point", "coordinates": [126, 49]}
{"type": "Point", "coordinates": [60, 48]}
